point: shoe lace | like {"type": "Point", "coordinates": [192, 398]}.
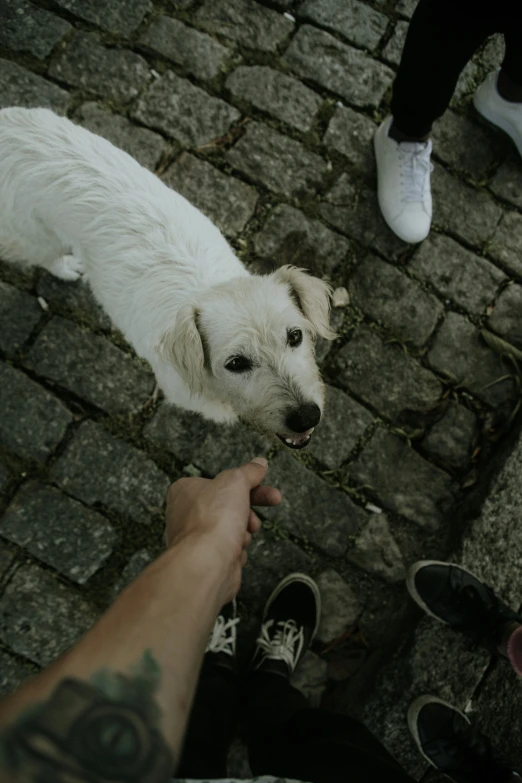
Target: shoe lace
{"type": "Point", "coordinates": [223, 636]}
{"type": "Point", "coordinates": [415, 165]}
{"type": "Point", "coordinates": [285, 643]}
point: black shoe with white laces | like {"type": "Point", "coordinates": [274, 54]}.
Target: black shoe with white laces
{"type": "Point", "coordinates": [459, 599]}
{"type": "Point", "coordinates": [290, 622]}
{"type": "Point", "coordinates": [221, 647]}
{"type": "Point", "coordinates": [448, 742]}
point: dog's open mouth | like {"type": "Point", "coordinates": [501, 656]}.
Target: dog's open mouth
{"type": "Point", "coordinates": [297, 440]}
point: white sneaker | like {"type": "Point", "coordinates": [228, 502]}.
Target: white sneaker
{"type": "Point", "coordinates": [502, 113]}
{"type": "Point", "coordinates": [403, 175]}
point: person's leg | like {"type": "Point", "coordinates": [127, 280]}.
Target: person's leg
{"type": "Point", "coordinates": [442, 37]}
{"type": "Point", "coordinates": [215, 712]}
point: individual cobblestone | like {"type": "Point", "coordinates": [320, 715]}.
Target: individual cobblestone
{"type": "Point", "coordinates": [5, 476]}
{"type": "Point", "coordinates": [277, 162]}
{"type": "Point", "coordinates": [356, 21]}
{"type": "Point", "coordinates": [340, 606]}
{"type": "Point", "coordinates": [247, 23]}
{"type": "Point", "coordinates": [185, 112]}
{"type": "Point", "coordinates": [121, 16]}
{"type": "Point", "coordinates": [467, 279]}
{"type": "Point", "coordinates": [311, 678]}
{"type": "Point", "coordinates": [318, 56]}
{"type": "Point", "coordinates": [98, 468]}
{"type": "Point", "coordinates": [19, 87]}
{"type": "Point", "coordinates": [90, 366]}
{"type": "Point", "coordinates": [74, 301]}
{"type": "Point", "coordinates": [507, 182]}
{"type": "Point", "coordinates": [461, 210]}
{"type": "Point", "coordinates": [58, 531]}
{"type": "Point", "coordinates": [276, 93]}
{"type": "Point", "coordinates": [450, 441]}
{"type": "Point", "coordinates": [467, 146]}
{"type": "Point", "coordinates": [351, 134]}
{"type": "Point", "coordinates": [144, 145]}
{"type": "Point", "coordinates": [404, 482]}
{"type": "Point", "coordinates": [12, 673]}
{"type": "Point", "coordinates": [227, 201]}
{"type": "Point", "coordinates": [40, 618]}
{"type": "Point", "coordinates": [386, 378]}
{"type": "Point", "coordinates": [407, 7]}
{"type": "Point", "coordinates": [116, 73]}
{"type": "Point", "coordinates": [26, 28]}
{"type": "Point", "coordinates": [506, 244]}
{"type": "Point", "coordinates": [376, 551]}
{"type": "Point", "coordinates": [196, 52]}
{"type": "Point", "coordinates": [505, 318]}
{"type": "Point", "coordinates": [310, 509]}
{"type": "Point", "coordinates": [19, 314]}
{"type": "Point", "coordinates": [289, 237]}
{"type": "Point", "coordinates": [343, 424]}
{"type": "Point", "coordinates": [33, 421]}
{"type": "Point", "coordinates": [393, 49]}
{"type": "Point", "coordinates": [459, 352]}
{"type": "Point", "coordinates": [391, 298]}
{"type": "Point", "coordinates": [137, 563]}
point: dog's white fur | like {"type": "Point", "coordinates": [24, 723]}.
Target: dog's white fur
{"type": "Point", "coordinates": [74, 204]}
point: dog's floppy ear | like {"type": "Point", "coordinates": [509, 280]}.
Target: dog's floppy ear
{"type": "Point", "coordinates": [182, 345]}
{"type": "Point", "coordinates": [311, 295]}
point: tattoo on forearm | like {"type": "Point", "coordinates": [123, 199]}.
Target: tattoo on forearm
{"type": "Point", "coordinates": [103, 730]}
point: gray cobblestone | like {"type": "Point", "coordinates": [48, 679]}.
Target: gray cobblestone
{"type": "Point", "coordinates": [311, 678]}
{"type": "Point", "coordinates": [99, 468]}
{"type": "Point", "coordinates": [393, 49]}
{"type": "Point", "coordinates": [12, 673]}
{"type": "Point", "coordinates": [460, 209]}
{"type": "Point", "coordinates": [122, 16]}
{"type": "Point", "coordinates": [340, 606]}
{"type": "Point", "coordinates": [58, 531]}
{"type": "Point", "coordinates": [33, 421]}
{"type": "Point", "coordinates": [39, 617]}
{"type": "Point", "coordinates": [407, 7]}
{"type": "Point", "coordinates": [196, 52]}
{"type": "Point", "coordinates": [137, 563]}
{"type": "Point", "coordinates": [19, 314]}
{"type": "Point", "coordinates": [67, 355]}
{"type": "Point", "coordinates": [451, 439]}
{"type": "Point", "coordinates": [7, 555]}
{"type": "Point", "coordinates": [289, 237]}
{"type": "Point", "coordinates": [247, 23]}
{"type": "Point", "coordinates": [5, 476]}
{"type": "Point", "coordinates": [466, 146]}
{"type": "Point", "coordinates": [312, 510]}
{"type": "Point", "coordinates": [227, 201]}
{"type": "Point", "coordinates": [505, 318]}
{"type": "Point", "coordinates": [351, 134]}
{"type": "Point", "coordinates": [403, 482]}
{"type": "Point", "coordinates": [344, 422]}
{"type": "Point", "coordinates": [385, 377]}
{"type": "Point", "coordinates": [506, 245]}
{"type": "Point", "coordinates": [19, 87]}
{"type": "Point", "coordinates": [460, 352]}
{"type": "Point", "coordinates": [316, 55]}
{"type": "Point", "coordinates": [456, 273]}
{"type": "Point", "coordinates": [144, 145]}
{"type": "Point", "coordinates": [179, 109]}
{"type": "Point", "coordinates": [390, 297]}
{"type": "Point", "coordinates": [74, 301]}
{"type": "Point", "coordinates": [276, 93]}
{"type": "Point", "coordinates": [507, 182]}
{"type": "Point", "coordinates": [281, 164]}
{"type": "Point", "coordinates": [375, 550]}
{"type": "Point", "coordinates": [26, 28]}
{"type": "Point", "coordinates": [353, 19]}
{"type": "Point", "coordinates": [85, 63]}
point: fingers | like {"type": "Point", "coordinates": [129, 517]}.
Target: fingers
{"type": "Point", "coordinates": [265, 496]}
{"type": "Point", "coordinates": [254, 523]}
{"type": "Point", "coordinates": [253, 472]}
{"type": "Point", "coordinates": [247, 540]}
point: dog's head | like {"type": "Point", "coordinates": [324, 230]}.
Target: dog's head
{"type": "Point", "coordinates": [250, 343]}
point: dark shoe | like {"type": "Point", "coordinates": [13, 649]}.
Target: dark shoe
{"type": "Point", "coordinates": [447, 741]}
{"type": "Point", "coordinates": [221, 648]}
{"type": "Point", "coordinates": [290, 622]}
{"type": "Point", "coordinates": [459, 599]}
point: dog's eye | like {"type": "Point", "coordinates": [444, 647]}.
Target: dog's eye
{"type": "Point", "coordinates": [239, 364]}
{"type": "Point", "coordinates": [295, 338]}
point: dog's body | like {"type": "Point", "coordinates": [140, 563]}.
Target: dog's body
{"type": "Point", "coordinates": [222, 342]}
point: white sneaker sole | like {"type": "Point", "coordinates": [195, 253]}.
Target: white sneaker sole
{"type": "Point", "coordinates": [305, 579]}
{"type": "Point", "coordinates": [410, 583]}
{"type": "Point", "coordinates": [413, 715]}
{"type": "Point", "coordinates": [500, 122]}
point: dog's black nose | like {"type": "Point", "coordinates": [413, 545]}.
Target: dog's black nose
{"type": "Point", "coordinates": [304, 418]}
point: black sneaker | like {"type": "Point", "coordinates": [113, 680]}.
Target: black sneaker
{"type": "Point", "coordinates": [290, 622]}
{"type": "Point", "coordinates": [459, 599]}
{"type": "Point", "coordinates": [448, 742]}
{"type": "Point", "coordinates": [221, 648]}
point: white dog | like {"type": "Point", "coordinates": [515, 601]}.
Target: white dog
{"type": "Point", "coordinates": [222, 342]}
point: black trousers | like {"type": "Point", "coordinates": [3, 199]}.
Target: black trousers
{"type": "Point", "coordinates": [442, 37]}
{"type": "Point", "coordinates": [285, 737]}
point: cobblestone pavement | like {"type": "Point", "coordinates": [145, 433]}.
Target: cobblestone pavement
{"type": "Point", "coordinates": [262, 114]}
